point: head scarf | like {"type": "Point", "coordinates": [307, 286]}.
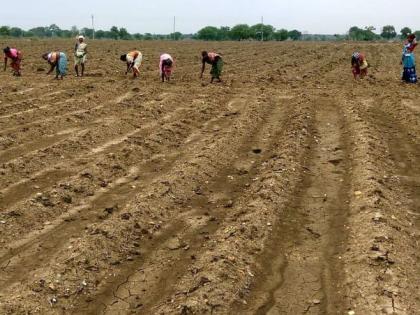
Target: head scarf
{"type": "Point", "coordinates": [411, 43]}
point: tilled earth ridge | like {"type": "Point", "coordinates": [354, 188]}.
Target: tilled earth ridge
{"type": "Point", "coordinates": [288, 189]}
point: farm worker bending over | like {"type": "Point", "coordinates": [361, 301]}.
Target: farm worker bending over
{"type": "Point", "coordinates": [359, 65]}
{"type": "Point", "coordinates": [165, 67]}
{"type": "Point", "coordinates": [16, 57]}
{"type": "Point", "coordinates": [80, 52]}
{"type": "Point", "coordinates": [57, 60]}
{"type": "Point", "coordinates": [409, 61]}
{"type": "Point", "coordinates": [133, 60]}
{"type": "Point", "coordinates": [216, 62]}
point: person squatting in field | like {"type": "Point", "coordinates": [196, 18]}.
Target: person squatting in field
{"type": "Point", "coordinates": [57, 60]}
{"type": "Point", "coordinates": [133, 60]}
{"type": "Point", "coordinates": [16, 57]}
{"type": "Point", "coordinates": [359, 65]}
{"type": "Point", "coordinates": [80, 54]}
{"type": "Point", "coordinates": [216, 62]}
{"type": "Point", "coordinates": [409, 61]}
{"type": "Point", "coordinates": [165, 67]}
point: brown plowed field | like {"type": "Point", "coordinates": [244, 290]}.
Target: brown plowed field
{"type": "Point", "coordinates": [288, 189]}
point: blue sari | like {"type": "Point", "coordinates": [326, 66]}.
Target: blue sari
{"type": "Point", "coordinates": [409, 62]}
{"type": "Point", "coordinates": [61, 68]}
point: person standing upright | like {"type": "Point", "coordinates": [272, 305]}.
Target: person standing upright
{"type": "Point", "coordinates": [80, 55]}
{"type": "Point", "coordinates": [409, 61]}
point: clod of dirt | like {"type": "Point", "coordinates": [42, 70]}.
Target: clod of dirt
{"type": "Point", "coordinates": [335, 161]}
{"type": "Point", "coordinates": [40, 69]}
{"type": "Point", "coordinates": [256, 151]}
{"type": "Point", "coordinates": [45, 201]}
{"type": "Point", "coordinates": [136, 89]}
{"type": "Point", "coordinates": [111, 209]}
{"type": "Point", "coordinates": [378, 218]}
{"type": "Point", "coordinates": [229, 204]}
{"type": "Point", "coordinates": [67, 199]}
{"type": "Point", "coordinates": [126, 216]}
{"type": "Point", "coordinates": [53, 300]}
{"type": "Point", "coordinates": [175, 243]}
{"type": "Point", "coordinates": [87, 174]}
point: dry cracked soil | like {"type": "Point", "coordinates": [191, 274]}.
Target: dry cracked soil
{"type": "Point", "coordinates": [287, 189]}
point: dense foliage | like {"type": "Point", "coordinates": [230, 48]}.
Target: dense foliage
{"type": "Point", "coordinates": [238, 32]}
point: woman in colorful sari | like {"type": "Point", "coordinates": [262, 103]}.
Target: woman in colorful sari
{"type": "Point", "coordinates": [16, 57]}
{"type": "Point", "coordinates": [165, 67]}
{"type": "Point", "coordinates": [57, 60]}
{"type": "Point", "coordinates": [216, 62]}
{"type": "Point", "coordinates": [133, 60]}
{"type": "Point", "coordinates": [409, 61]}
{"type": "Point", "coordinates": [359, 65]}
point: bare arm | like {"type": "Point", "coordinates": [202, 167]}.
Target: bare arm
{"type": "Point", "coordinates": [129, 66]}
{"type": "Point", "coordinates": [162, 72]}
{"type": "Point", "coordinates": [53, 65]}
{"type": "Point", "coordinates": [203, 68]}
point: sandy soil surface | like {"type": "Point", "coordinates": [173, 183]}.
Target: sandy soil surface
{"type": "Point", "coordinates": [288, 189]}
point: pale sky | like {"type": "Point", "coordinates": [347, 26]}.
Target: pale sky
{"type": "Point", "coordinates": [156, 16]}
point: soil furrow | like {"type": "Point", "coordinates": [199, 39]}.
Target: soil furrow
{"type": "Point", "coordinates": [301, 266]}
{"type": "Point", "coordinates": [209, 208]}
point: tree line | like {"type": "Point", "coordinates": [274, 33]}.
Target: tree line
{"type": "Point", "coordinates": [238, 32]}
{"type": "Point", "coordinates": [53, 31]}
{"type": "Point", "coordinates": [388, 32]}
{"type": "Point", "coordinates": [260, 31]}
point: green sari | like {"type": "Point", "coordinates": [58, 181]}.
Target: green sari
{"type": "Point", "coordinates": [217, 68]}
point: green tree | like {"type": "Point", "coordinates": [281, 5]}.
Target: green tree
{"type": "Point", "coordinates": [240, 32]}
{"type": "Point", "coordinates": [295, 35]}
{"type": "Point", "coordinates": [148, 36]}
{"type": "Point", "coordinates": [281, 35]}
{"type": "Point", "coordinates": [260, 31]}
{"type": "Point", "coordinates": [115, 32]}
{"type": "Point", "coordinates": [224, 33]}
{"type": "Point", "coordinates": [16, 32]}
{"type": "Point", "coordinates": [4, 31]}
{"type": "Point", "coordinates": [138, 36]}
{"type": "Point", "coordinates": [388, 32]}
{"type": "Point", "coordinates": [28, 34]}
{"type": "Point", "coordinates": [100, 34]}
{"type": "Point", "coordinates": [405, 32]}
{"type": "Point", "coordinates": [208, 33]}
{"type": "Point", "coordinates": [176, 36]}
{"type": "Point", "coordinates": [124, 34]}
{"type": "Point", "coordinates": [38, 31]}
{"type": "Point", "coordinates": [66, 34]}
{"type": "Point", "coordinates": [88, 32]}
{"type": "Point", "coordinates": [53, 31]}
{"type": "Point", "coordinates": [367, 34]}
